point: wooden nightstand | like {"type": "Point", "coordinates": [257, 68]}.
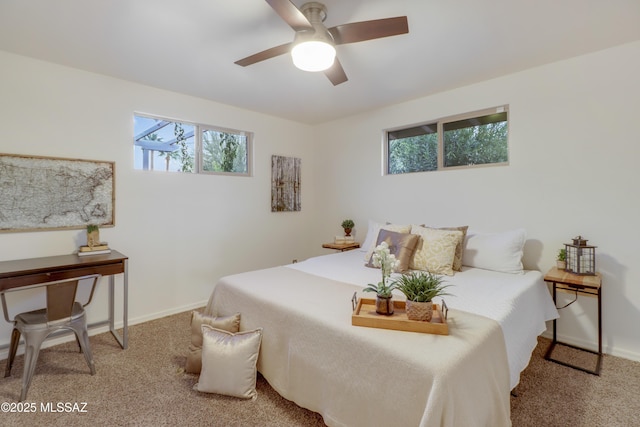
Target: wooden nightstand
{"type": "Point", "coordinates": [585, 285]}
{"type": "Point", "coordinates": [342, 246]}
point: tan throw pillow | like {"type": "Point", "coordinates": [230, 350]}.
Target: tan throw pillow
{"type": "Point", "coordinates": [401, 245]}
{"type": "Point", "coordinates": [457, 259]}
{"type": "Point", "coordinates": [194, 355]}
{"type": "Point", "coordinates": [229, 362]}
{"type": "Point", "coordinates": [436, 250]}
{"type": "Point", "coordinates": [375, 229]}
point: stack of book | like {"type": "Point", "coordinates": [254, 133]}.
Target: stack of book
{"type": "Point", "coordinates": [100, 249]}
{"type": "Point", "coordinates": [343, 240]}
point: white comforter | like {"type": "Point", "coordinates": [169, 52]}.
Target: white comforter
{"type": "Point", "coordinates": [358, 376]}
{"type": "Point", "coordinates": [520, 303]}
{"type": "Point", "coordinates": [312, 355]}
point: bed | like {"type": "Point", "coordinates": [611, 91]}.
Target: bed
{"type": "Point", "coordinates": [358, 376]}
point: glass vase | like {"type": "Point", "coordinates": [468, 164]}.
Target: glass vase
{"type": "Point", "coordinates": [384, 305]}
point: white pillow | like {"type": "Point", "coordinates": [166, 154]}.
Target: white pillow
{"type": "Point", "coordinates": [369, 243]}
{"type": "Point", "coordinates": [495, 251]}
{"type": "Point", "coordinates": [372, 234]}
{"type": "Point", "coordinates": [229, 362]}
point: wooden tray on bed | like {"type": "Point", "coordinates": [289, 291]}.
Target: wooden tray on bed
{"type": "Point", "coordinates": [365, 315]}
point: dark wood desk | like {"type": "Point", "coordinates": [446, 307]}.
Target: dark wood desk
{"type": "Point", "coordinates": [27, 272]}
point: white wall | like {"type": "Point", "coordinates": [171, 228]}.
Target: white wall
{"type": "Point", "coordinates": [573, 170]}
{"type": "Point", "coordinates": [573, 148]}
{"type": "Point", "coordinates": [181, 231]}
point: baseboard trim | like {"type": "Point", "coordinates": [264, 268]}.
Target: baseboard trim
{"type": "Point", "coordinates": [165, 313]}
{"type": "Point", "coordinates": [4, 349]}
{"type": "Point", "coordinates": [593, 346]}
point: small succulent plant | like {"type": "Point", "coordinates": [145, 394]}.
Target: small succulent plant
{"type": "Point", "coordinates": [419, 286]}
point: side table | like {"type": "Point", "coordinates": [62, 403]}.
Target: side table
{"type": "Point", "coordinates": [342, 246]}
{"type": "Point", "coordinates": [578, 284]}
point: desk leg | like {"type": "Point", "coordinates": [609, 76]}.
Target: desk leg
{"type": "Point", "coordinates": [124, 339]}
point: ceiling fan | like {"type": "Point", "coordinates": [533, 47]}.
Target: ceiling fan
{"type": "Point", "coordinates": [311, 33]}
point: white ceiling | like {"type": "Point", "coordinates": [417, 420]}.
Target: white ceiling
{"type": "Point", "coordinates": [189, 46]}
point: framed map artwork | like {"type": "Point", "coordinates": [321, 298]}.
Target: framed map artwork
{"type": "Point", "coordinates": [49, 193]}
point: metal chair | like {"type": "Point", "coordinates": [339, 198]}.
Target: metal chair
{"type": "Point", "coordinates": [62, 312]}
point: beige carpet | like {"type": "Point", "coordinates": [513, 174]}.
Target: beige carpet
{"type": "Point", "coordinates": [146, 386]}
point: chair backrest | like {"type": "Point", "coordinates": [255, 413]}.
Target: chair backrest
{"type": "Point", "coordinates": [60, 299]}
{"type": "Point", "coordinates": [61, 295]}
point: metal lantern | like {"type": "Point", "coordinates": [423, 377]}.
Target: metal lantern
{"type": "Point", "coordinates": [581, 258]}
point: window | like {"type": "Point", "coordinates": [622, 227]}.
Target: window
{"type": "Point", "coordinates": [478, 138]}
{"type": "Point", "coordinates": [224, 151]}
{"type": "Point", "coordinates": [173, 146]}
{"type": "Point", "coordinates": [163, 145]}
{"type": "Point", "coordinates": [413, 150]}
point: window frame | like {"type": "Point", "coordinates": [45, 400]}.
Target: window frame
{"type": "Point", "coordinates": [249, 149]}
{"type": "Point", "coordinates": [198, 145]}
{"type": "Point", "coordinates": [440, 132]}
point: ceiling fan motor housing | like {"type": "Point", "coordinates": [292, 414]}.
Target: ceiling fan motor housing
{"type": "Point", "coordinates": [316, 13]}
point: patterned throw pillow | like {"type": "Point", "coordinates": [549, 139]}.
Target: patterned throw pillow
{"type": "Point", "coordinates": [457, 259]}
{"type": "Point", "coordinates": [374, 230]}
{"type": "Point", "coordinates": [436, 249]}
{"type": "Point", "coordinates": [401, 245]}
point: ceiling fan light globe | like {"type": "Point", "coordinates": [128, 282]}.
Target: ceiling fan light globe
{"type": "Point", "coordinates": [313, 55]}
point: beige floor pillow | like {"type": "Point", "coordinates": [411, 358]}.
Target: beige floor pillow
{"type": "Point", "coordinates": [194, 354]}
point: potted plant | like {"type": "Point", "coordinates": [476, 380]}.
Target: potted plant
{"type": "Point", "coordinates": [93, 235]}
{"type": "Point", "coordinates": [388, 263]}
{"type": "Point", "coordinates": [561, 259]}
{"type": "Point", "coordinates": [347, 224]}
{"type": "Point", "coordinates": [420, 288]}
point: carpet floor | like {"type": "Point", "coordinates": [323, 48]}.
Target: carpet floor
{"type": "Point", "coordinates": [146, 385]}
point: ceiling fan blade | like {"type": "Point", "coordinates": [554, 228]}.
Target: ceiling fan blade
{"type": "Point", "coordinates": [367, 30]}
{"type": "Point", "coordinates": [290, 14]}
{"type": "Point", "coordinates": [336, 73]}
{"type": "Point", "coordinates": [265, 54]}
